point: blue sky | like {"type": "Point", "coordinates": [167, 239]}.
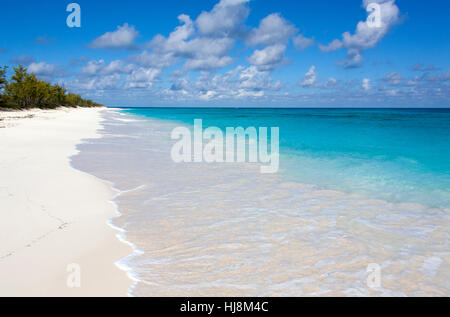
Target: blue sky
{"type": "Point", "coordinates": [236, 52]}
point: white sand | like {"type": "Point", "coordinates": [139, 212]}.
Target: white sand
{"type": "Point", "coordinates": [52, 215]}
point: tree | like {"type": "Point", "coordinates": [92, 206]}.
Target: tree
{"type": "Point", "coordinates": [3, 80]}
{"type": "Point", "coordinates": [3, 84]}
{"type": "Point", "coordinates": [16, 88]}
{"type": "Point", "coordinates": [57, 95]}
{"type": "Point", "coordinates": [26, 90]}
{"type": "Point", "coordinates": [74, 100]}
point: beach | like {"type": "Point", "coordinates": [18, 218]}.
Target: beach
{"type": "Point", "coordinates": [54, 218]}
{"type": "Point", "coordinates": [97, 190]}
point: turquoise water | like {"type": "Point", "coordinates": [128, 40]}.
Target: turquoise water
{"type": "Point", "coordinates": [399, 155]}
{"type": "Point", "coordinates": [228, 230]}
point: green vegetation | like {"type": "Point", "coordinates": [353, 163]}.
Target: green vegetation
{"type": "Point", "coordinates": [25, 90]}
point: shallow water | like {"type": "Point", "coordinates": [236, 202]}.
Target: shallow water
{"type": "Point", "coordinates": [400, 155]}
{"type": "Point", "coordinates": [225, 229]}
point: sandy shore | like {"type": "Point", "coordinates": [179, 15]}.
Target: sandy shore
{"type": "Point", "coordinates": [53, 216]}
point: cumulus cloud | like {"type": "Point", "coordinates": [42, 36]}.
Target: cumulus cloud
{"type": "Point", "coordinates": [97, 83]}
{"type": "Point", "coordinates": [366, 84]}
{"type": "Point", "coordinates": [429, 80]}
{"type": "Point", "coordinates": [239, 83]}
{"type": "Point", "coordinates": [157, 60]}
{"type": "Point", "coordinates": [331, 83]}
{"type": "Point", "coordinates": [207, 63]}
{"type": "Point", "coordinates": [251, 78]}
{"type": "Point", "coordinates": [138, 78]}
{"type": "Point", "coordinates": [142, 78]}
{"type": "Point", "coordinates": [201, 53]}
{"type": "Point", "coordinates": [272, 30]}
{"type": "Point", "coordinates": [353, 59]}
{"type": "Point", "coordinates": [393, 78]}
{"type": "Point", "coordinates": [268, 58]}
{"type": "Point", "coordinates": [94, 68]}
{"type": "Point", "coordinates": [177, 38]}
{"type": "Point", "coordinates": [205, 44]}
{"type": "Point", "coordinates": [366, 35]}
{"type": "Point", "coordinates": [203, 48]}
{"type": "Point", "coordinates": [333, 46]}
{"type": "Point", "coordinates": [122, 38]}
{"type": "Point", "coordinates": [44, 69]}
{"type": "Point", "coordinates": [273, 33]}
{"type": "Point", "coordinates": [310, 78]}
{"type": "Point", "coordinates": [225, 19]}
{"type": "Point", "coordinates": [301, 42]}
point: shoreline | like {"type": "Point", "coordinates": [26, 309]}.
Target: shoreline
{"type": "Point", "coordinates": [106, 255]}
{"type": "Point", "coordinates": [232, 220]}
{"type": "Point", "coordinates": [59, 215]}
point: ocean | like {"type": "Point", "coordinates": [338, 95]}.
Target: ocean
{"type": "Point", "coordinates": [356, 188]}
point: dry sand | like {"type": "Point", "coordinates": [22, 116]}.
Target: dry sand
{"type": "Point", "coordinates": [52, 215]}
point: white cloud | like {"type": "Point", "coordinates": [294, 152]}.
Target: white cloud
{"type": "Point", "coordinates": [117, 66]}
{"type": "Point", "coordinates": [330, 83]}
{"type": "Point", "coordinates": [268, 58]}
{"type": "Point", "coordinates": [202, 47]}
{"type": "Point", "coordinates": [176, 38]}
{"type": "Point", "coordinates": [157, 60]}
{"type": "Point", "coordinates": [94, 68]}
{"type": "Point", "coordinates": [301, 42]}
{"type": "Point", "coordinates": [366, 36]}
{"type": "Point", "coordinates": [201, 53]}
{"type": "Point", "coordinates": [205, 44]}
{"type": "Point", "coordinates": [123, 37]}
{"type": "Point", "coordinates": [413, 81]}
{"type": "Point", "coordinates": [353, 59]}
{"type": "Point", "coordinates": [107, 82]}
{"type": "Point", "coordinates": [366, 84]}
{"type": "Point", "coordinates": [239, 83]}
{"type": "Point", "coordinates": [110, 82]}
{"type": "Point", "coordinates": [333, 46]}
{"type": "Point", "coordinates": [224, 19]}
{"type": "Point", "coordinates": [393, 79]}
{"type": "Point", "coordinates": [251, 78]}
{"type": "Point", "coordinates": [310, 78]}
{"type": "Point", "coordinates": [272, 30]}
{"type": "Point", "coordinates": [43, 69]}
{"type": "Point", "coordinates": [208, 63]}
{"type": "Point", "coordinates": [142, 78]}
